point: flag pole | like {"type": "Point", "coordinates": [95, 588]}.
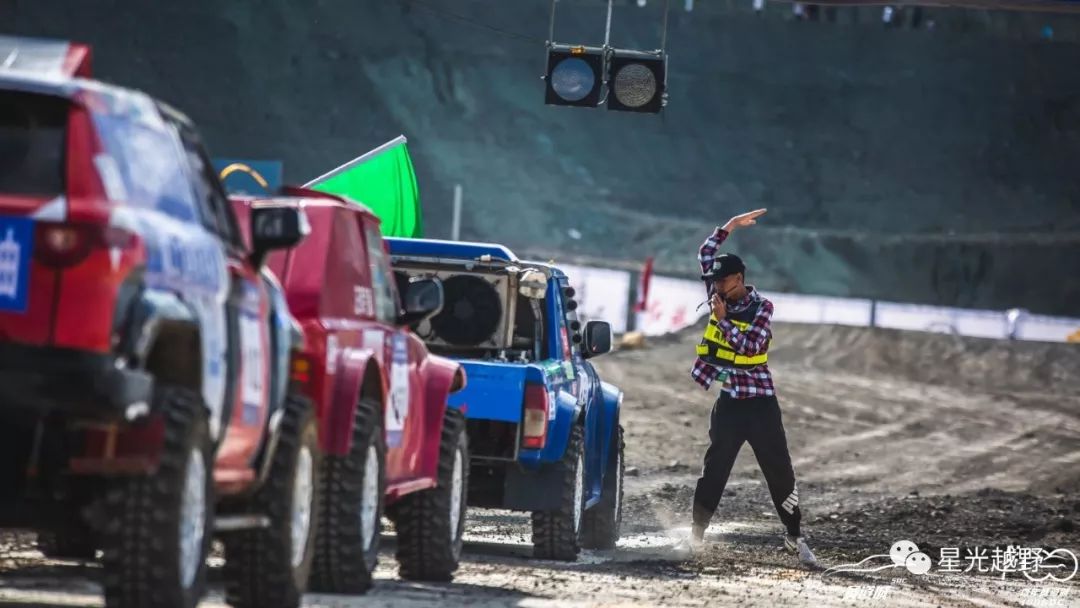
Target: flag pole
{"type": "Point", "coordinates": [393, 143]}
{"type": "Point", "coordinates": [455, 230]}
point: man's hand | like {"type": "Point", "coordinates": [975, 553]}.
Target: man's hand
{"type": "Point", "coordinates": [719, 309]}
{"type": "Point", "coordinates": [744, 219]}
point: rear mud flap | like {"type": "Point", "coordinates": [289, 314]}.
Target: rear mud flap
{"type": "Point", "coordinates": [533, 490]}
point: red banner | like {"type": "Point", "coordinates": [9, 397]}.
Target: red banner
{"type": "Point", "coordinates": [644, 281]}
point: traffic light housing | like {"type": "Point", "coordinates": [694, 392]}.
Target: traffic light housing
{"type": "Point", "coordinates": [637, 81]}
{"type": "Point", "coordinates": [575, 76]}
{"type": "Point", "coordinates": [627, 80]}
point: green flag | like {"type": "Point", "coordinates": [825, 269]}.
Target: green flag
{"type": "Point", "coordinates": [384, 181]}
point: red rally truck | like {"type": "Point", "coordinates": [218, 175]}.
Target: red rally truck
{"type": "Point", "coordinates": [387, 433]}
{"type": "Point", "coordinates": [145, 404]}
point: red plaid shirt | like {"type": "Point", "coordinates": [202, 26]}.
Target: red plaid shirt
{"type": "Point", "coordinates": [741, 383]}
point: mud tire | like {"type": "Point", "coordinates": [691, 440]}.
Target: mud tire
{"type": "Point", "coordinates": [429, 543]}
{"type": "Point", "coordinates": [601, 525]}
{"type": "Point", "coordinates": [142, 539]}
{"type": "Point", "coordinates": [556, 533]}
{"type": "Point", "coordinates": [344, 558]}
{"type": "Point", "coordinates": [260, 568]}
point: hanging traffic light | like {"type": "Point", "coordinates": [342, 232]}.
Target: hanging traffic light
{"type": "Point", "coordinates": [637, 81]}
{"type": "Point", "coordinates": [575, 76]}
{"type": "Point", "coordinates": [587, 76]}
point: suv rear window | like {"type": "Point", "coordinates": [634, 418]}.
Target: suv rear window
{"type": "Point", "coordinates": [150, 163]}
{"type": "Point", "coordinates": [32, 129]}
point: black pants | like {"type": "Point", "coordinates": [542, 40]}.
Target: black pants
{"type": "Point", "coordinates": [757, 421]}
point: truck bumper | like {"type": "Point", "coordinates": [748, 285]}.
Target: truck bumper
{"type": "Point", "coordinates": [78, 384]}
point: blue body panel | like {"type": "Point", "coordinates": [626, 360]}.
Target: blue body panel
{"type": "Point", "coordinates": [612, 404]}
{"type": "Point", "coordinates": [495, 390]}
{"type": "Point", "coordinates": [432, 248]}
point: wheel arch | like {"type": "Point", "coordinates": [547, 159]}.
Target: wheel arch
{"type": "Point", "coordinates": [442, 377]}
{"type": "Point", "coordinates": [610, 418]}
{"type": "Point", "coordinates": [359, 376]}
{"type": "Point", "coordinates": [164, 337]}
{"type": "Point", "coordinates": [371, 383]}
{"type": "Point", "coordinates": [175, 355]}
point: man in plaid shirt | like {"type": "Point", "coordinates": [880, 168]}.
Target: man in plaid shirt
{"type": "Point", "coordinates": [734, 351]}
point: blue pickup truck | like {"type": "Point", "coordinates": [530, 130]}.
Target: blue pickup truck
{"type": "Point", "coordinates": [543, 429]}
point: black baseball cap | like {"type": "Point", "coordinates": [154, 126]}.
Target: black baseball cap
{"type": "Point", "coordinates": [724, 265]}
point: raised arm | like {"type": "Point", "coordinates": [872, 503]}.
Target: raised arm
{"type": "Point", "coordinates": [709, 248]}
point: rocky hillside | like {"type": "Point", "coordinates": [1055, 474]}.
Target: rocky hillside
{"type": "Point", "coordinates": [915, 164]}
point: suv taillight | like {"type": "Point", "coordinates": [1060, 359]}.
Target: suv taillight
{"type": "Point", "coordinates": [65, 244]}
{"type": "Point", "coordinates": [300, 372]}
{"type": "Point", "coordinates": [534, 428]}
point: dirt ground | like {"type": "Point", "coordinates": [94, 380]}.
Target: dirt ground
{"type": "Point", "coordinates": [943, 441]}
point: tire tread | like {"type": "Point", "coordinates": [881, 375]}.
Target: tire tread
{"type": "Point", "coordinates": [425, 551]}
{"type": "Point", "coordinates": [140, 540]}
{"type": "Point", "coordinates": [553, 531]}
{"type": "Point", "coordinates": [258, 571]}
{"type": "Point", "coordinates": [600, 525]}
{"type": "Point", "coordinates": [342, 565]}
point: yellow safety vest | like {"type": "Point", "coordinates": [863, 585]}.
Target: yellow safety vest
{"type": "Point", "coordinates": [715, 349]}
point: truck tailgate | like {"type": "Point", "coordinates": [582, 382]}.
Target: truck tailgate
{"type": "Point", "coordinates": [493, 390]}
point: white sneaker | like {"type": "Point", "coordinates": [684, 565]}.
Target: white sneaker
{"type": "Point", "coordinates": [697, 538]}
{"type": "Point", "coordinates": [693, 542]}
{"type": "Point", "coordinates": [798, 546]}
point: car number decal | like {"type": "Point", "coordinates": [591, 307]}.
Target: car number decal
{"type": "Point", "coordinates": [399, 390]}
{"type": "Point", "coordinates": [363, 302]}
{"type": "Point", "coordinates": [253, 367]}
{"type": "Point", "coordinates": [332, 352]}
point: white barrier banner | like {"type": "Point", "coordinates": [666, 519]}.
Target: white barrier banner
{"type": "Point", "coordinates": [978, 323]}
{"type": "Point", "coordinates": [601, 294]}
{"type": "Point", "coordinates": [796, 308]}
{"type": "Point", "coordinates": [673, 305]}
{"type": "Point", "coordinates": [1048, 329]}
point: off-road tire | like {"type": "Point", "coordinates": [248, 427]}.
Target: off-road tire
{"type": "Point", "coordinates": [142, 537]}
{"type": "Point", "coordinates": [600, 525]}
{"type": "Point", "coordinates": [344, 559]}
{"type": "Point", "coordinates": [259, 570]}
{"type": "Point", "coordinates": [428, 544]}
{"type": "Point", "coordinates": [74, 542]}
{"type": "Point", "coordinates": [553, 532]}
